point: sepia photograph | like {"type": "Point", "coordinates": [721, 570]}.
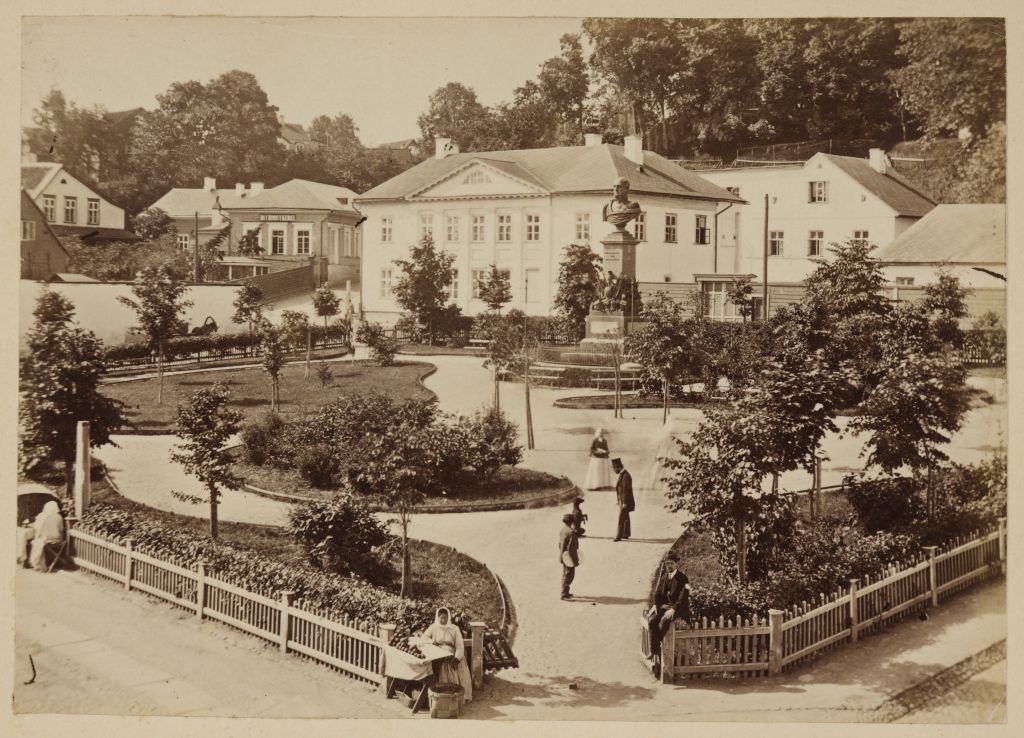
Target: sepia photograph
{"type": "Point", "coordinates": [579, 367]}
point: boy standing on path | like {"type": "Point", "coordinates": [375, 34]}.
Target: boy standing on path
{"type": "Point", "coordinates": [568, 552]}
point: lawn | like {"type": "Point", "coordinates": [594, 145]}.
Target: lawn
{"type": "Point", "coordinates": [509, 484]}
{"type": "Point", "coordinates": [249, 390]}
{"type": "Point", "coordinates": [437, 571]}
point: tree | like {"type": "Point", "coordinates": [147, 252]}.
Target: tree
{"type": "Point", "coordinates": [504, 345]}
{"type": "Point", "coordinates": [661, 344]}
{"type": "Point", "coordinates": [955, 75]}
{"type": "Point", "coordinates": [272, 353]}
{"type": "Point", "coordinates": [919, 403]}
{"type": "Point", "coordinates": [159, 302]}
{"type": "Point", "coordinates": [249, 243]}
{"type": "Point", "coordinates": [297, 332]}
{"type": "Point", "coordinates": [453, 111]}
{"type": "Point", "coordinates": [59, 382]}
{"type": "Point", "coordinates": [423, 286]}
{"type": "Point", "coordinates": [564, 85]}
{"type": "Point", "coordinates": [326, 303]}
{"type": "Point", "coordinates": [740, 293]}
{"type": "Point", "coordinates": [118, 261]}
{"type": "Point", "coordinates": [152, 224]}
{"type": "Point", "coordinates": [945, 302]}
{"type": "Point", "coordinates": [248, 305]}
{"type": "Point", "coordinates": [495, 289]}
{"type": "Point", "coordinates": [204, 425]}
{"type": "Point", "coordinates": [579, 285]}
{"type": "Point", "coordinates": [68, 134]}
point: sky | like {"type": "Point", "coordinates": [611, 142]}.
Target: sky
{"type": "Point", "coordinates": [380, 71]}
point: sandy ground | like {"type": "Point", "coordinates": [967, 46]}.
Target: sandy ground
{"type": "Point", "coordinates": [979, 700]}
{"type": "Point", "coordinates": [593, 641]}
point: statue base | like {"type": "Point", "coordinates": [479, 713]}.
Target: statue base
{"type": "Point", "coordinates": [620, 253]}
{"type": "Point", "coordinates": [610, 325]}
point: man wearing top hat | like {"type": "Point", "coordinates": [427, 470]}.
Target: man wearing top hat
{"type": "Point", "coordinates": [624, 497]}
{"type": "Point", "coordinates": [568, 553]}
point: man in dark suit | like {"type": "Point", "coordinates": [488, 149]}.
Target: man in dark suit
{"type": "Point", "coordinates": [568, 554]}
{"type": "Point", "coordinates": [624, 497]}
{"type": "Point", "coordinates": [671, 601]}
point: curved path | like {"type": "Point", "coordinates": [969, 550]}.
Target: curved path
{"type": "Point", "coordinates": [593, 641]}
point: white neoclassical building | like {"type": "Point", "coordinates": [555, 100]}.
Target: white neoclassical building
{"type": "Point", "coordinates": [520, 209]}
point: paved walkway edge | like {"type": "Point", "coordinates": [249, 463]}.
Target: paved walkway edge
{"type": "Point", "coordinates": [931, 690]}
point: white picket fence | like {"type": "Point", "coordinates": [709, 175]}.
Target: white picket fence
{"type": "Point", "coordinates": [352, 647]}
{"type": "Point", "coordinates": [760, 647]}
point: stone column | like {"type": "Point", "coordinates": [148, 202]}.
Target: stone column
{"type": "Point", "coordinates": [83, 458]}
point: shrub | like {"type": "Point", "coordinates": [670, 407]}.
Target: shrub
{"type": "Point", "coordinates": [492, 441]}
{"type": "Point", "coordinates": [769, 537]}
{"type": "Point", "coordinates": [324, 373]}
{"type": "Point", "coordinates": [885, 504]}
{"type": "Point", "coordinates": [318, 465]}
{"type": "Point", "coordinates": [260, 438]}
{"type": "Point", "coordinates": [382, 347]}
{"type": "Point", "coordinates": [728, 600]}
{"type": "Point", "coordinates": [969, 499]}
{"type": "Point", "coordinates": [448, 449]}
{"type": "Point", "coordinates": [574, 377]}
{"type": "Point", "coordinates": [338, 534]}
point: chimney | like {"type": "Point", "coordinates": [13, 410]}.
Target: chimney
{"type": "Point", "coordinates": [592, 139]}
{"type": "Point", "coordinates": [209, 184]}
{"type": "Point", "coordinates": [443, 147]}
{"type": "Point", "coordinates": [255, 188]}
{"type": "Point", "coordinates": [878, 160]}
{"type": "Point", "coordinates": [633, 147]}
{"type": "Point", "coordinates": [240, 189]}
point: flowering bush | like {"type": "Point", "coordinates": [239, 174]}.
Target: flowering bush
{"type": "Point", "coordinates": [492, 441]}
{"type": "Point", "coordinates": [338, 534]}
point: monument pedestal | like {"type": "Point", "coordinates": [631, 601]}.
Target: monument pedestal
{"type": "Point", "coordinates": [618, 321]}
{"type": "Point", "coordinates": [610, 325]}
{"type": "Point", "coordinates": [620, 253]}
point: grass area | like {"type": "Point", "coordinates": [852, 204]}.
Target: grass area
{"type": "Point", "coordinates": [629, 402]}
{"type": "Point", "coordinates": [238, 361]}
{"type": "Point", "coordinates": [250, 390]}
{"type": "Point", "coordinates": [508, 484]}
{"type": "Point", "coordinates": [698, 558]}
{"type": "Point", "coordinates": [424, 350]}
{"type": "Point", "coordinates": [437, 571]}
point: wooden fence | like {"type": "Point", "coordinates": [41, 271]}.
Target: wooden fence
{"type": "Point", "coordinates": [796, 635]}
{"type": "Point", "coordinates": [352, 647]}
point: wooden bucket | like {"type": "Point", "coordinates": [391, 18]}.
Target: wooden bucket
{"type": "Point", "coordinates": [445, 700]}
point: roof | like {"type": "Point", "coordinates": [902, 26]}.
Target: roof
{"type": "Point", "coordinates": [95, 232]}
{"type": "Point", "coordinates": [294, 133]}
{"type": "Point", "coordinates": [405, 143]}
{"type": "Point", "coordinates": [974, 234]}
{"type": "Point", "coordinates": [566, 169]}
{"type": "Point", "coordinates": [892, 189]}
{"type": "Point", "coordinates": [70, 277]}
{"type": "Point", "coordinates": [28, 203]}
{"type": "Point", "coordinates": [296, 194]}
{"type": "Point", "coordinates": [34, 177]}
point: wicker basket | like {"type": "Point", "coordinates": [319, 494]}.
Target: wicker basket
{"type": "Point", "coordinates": [445, 700]}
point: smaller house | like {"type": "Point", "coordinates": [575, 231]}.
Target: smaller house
{"type": "Point", "coordinates": [70, 206]}
{"type": "Point", "coordinates": [295, 138]}
{"type": "Point", "coordinates": [964, 241]}
{"type": "Point", "coordinates": [42, 254]}
{"type": "Point", "coordinates": [409, 145]}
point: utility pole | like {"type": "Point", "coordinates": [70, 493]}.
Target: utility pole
{"type": "Point", "coordinates": [764, 275]}
{"type": "Point", "coordinates": [195, 251]}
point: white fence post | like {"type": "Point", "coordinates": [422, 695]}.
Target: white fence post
{"type": "Point", "coordinates": [386, 633]}
{"type": "Point", "coordinates": [668, 654]}
{"type": "Point", "coordinates": [286, 602]}
{"type": "Point", "coordinates": [854, 583]}
{"type": "Point", "coordinates": [129, 546]}
{"type": "Point", "coordinates": [775, 655]}
{"type": "Point", "coordinates": [1002, 545]}
{"type": "Point", "coordinates": [932, 575]}
{"type": "Point", "coordinates": [83, 468]}
{"type": "Point", "coordinates": [200, 589]}
{"type": "Point", "coordinates": [477, 665]}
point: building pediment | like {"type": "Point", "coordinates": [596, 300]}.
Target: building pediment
{"type": "Point", "coordinates": [482, 179]}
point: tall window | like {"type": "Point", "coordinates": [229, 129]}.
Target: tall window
{"type": "Point", "coordinates": [640, 227]}
{"type": "Point", "coordinates": [477, 231]}
{"type": "Point", "coordinates": [385, 229]}
{"type": "Point", "coordinates": [670, 228]}
{"type": "Point", "coordinates": [50, 207]}
{"type": "Point", "coordinates": [701, 232]}
{"type": "Point", "coordinates": [717, 306]}
{"type": "Point", "coordinates": [426, 225]}
{"type": "Point", "coordinates": [346, 241]}
{"type": "Point", "coordinates": [453, 288]}
{"type": "Point", "coordinates": [70, 209]}
{"type": "Point", "coordinates": [505, 228]}
{"type": "Point", "coordinates": [479, 276]}
{"type": "Point", "coordinates": [302, 240]}
{"type": "Point", "coordinates": [385, 282]}
{"type": "Point", "coordinates": [817, 192]}
{"type": "Point", "coordinates": [277, 241]}
{"type": "Point", "coordinates": [184, 241]}
{"type": "Point", "coordinates": [904, 281]}
{"type": "Point", "coordinates": [861, 235]}
{"type": "Point", "coordinates": [28, 230]}
{"type": "Point", "coordinates": [532, 227]}
{"type": "Point", "coordinates": [583, 227]}
{"type": "Point", "coordinates": [452, 226]}
{"type": "Point", "coordinates": [775, 242]}
{"type": "Point", "coordinates": [814, 241]}
{"type": "Point", "coordinates": [93, 214]}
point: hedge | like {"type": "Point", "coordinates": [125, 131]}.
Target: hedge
{"type": "Point", "coordinates": [214, 343]}
{"type": "Point", "coordinates": [260, 574]}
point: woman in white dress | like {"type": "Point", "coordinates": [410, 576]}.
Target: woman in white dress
{"type": "Point", "coordinates": [48, 535]}
{"type": "Point", "coordinates": [446, 634]}
{"type": "Point", "coordinates": [599, 471]}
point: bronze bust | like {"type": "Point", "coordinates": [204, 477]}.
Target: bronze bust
{"type": "Point", "coordinates": [621, 210]}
